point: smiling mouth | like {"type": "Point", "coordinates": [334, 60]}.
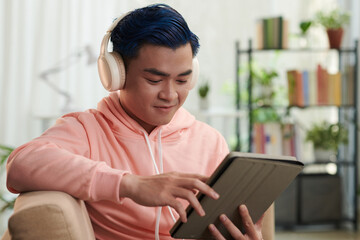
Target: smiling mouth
{"type": "Point", "coordinates": [165, 108]}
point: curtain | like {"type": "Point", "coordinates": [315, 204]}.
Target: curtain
{"type": "Point", "coordinates": [48, 61]}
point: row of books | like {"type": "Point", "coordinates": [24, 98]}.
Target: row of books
{"type": "Point", "coordinates": [319, 87]}
{"type": "Point", "coordinates": [272, 33]}
{"type": "Point", "coordinates": [274, 138]}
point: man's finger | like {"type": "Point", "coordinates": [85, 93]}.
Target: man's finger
{"type": "Point", "coordinates": [194, 175]}
{"type": "Point", "coordinates": [232, 229]}
{"type": "Point", "coordinates": [247, 222]}
{"type": "Point", "coordinates": [191, 184]}
{"type": "Point", "coordinates": [191, 198]}
{"type": "Point", "coordinates": [178, 207]}
{"type": "Point", "coordinates": [215, 232]}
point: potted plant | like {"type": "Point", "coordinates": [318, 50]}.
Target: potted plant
{"type": "Point", "coordinates": [326, 139]}
{"type": "Point", "coordinates": [333, 21]}
{"type": "Point", "coordinates": [203, 91]}
{"type": "Point", "coordinates": [264, 95]}
{"type": "Point", "coordinates": [304, 27]}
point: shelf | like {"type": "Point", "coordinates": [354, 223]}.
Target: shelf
{"type": "Point", "coordinates": [345, 169]}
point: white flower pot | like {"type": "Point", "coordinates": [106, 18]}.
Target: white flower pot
{"type": "Point", "coordinates": [323, 155]}
{"type": "Point", "coordinates": [204, 103]}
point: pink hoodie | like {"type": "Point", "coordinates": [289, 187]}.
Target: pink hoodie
{"type": "Point", "coordinates": [86, 154]}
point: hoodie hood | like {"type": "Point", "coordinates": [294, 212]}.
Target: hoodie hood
{"type": "Point", "coordinates": [111, 108]}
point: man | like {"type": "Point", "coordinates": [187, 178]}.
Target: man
{"type": "Point", "coordinates": [139, 150]}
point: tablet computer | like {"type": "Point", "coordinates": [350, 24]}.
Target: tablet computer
{"type": "Point", "coordinates": [255, 180]}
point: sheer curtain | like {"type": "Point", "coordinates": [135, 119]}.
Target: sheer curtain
{"type": "Point", "coordinates": [49, 51]}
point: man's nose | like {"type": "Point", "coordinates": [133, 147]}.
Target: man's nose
{"type": "Point", "coordinates": [168, 91]}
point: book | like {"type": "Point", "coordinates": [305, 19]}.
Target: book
{"type": "Point", "coordinates": [272, 33]}
{"type": "Point", "coordinates": [285, 33]}
{"type": "Point", "coordinates": [267, 138]}
{"type": "Point", "coordinates": [334, 89]}
{"type": "Point", "coordinates": [312, 88]}
{"type": "Point", "coordinates": [322, 85]}
{"type": "Point", "coordinates": [288, 140]}
{"type": "Point", "coordinates": [299, 89]}
{"type": "Point", "coordinates": [291, 87]}
{"type": "Point", "coordinates": [255, 180]}
{"type": "Point", "coordinates": [306, 90]}
{"type": "Point", "coordinates": [259, 34]}
{"type": "Point", "coordinates": [331, 89]}
{"type": "Point", "coordinates": [259, 138]}
{"type": "Point", "coordinates": [348, 85]}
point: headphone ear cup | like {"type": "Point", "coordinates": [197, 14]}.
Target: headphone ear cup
{"type": "Point", "coordinates": [111, 69]}
{"type": "Point", "coordinates": [120, 68]}
{"type": "Point", "coordinates": [195, 72]}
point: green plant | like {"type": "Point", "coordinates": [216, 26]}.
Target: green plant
{"type": "Point", "coordinates": [264, 95]}
{"type": "Point", "coordinates": [304, 26]}
{"type": "Point", "coordinates": [265, 84]}
{"type": "Point", "coordinates": [204, 89]}
{"type": "Point", "coordinates": [327, 136]}
{"type": "Point", "coordinates": [4, 154]}
{"type": "Point", "coordinates": [334, 19]}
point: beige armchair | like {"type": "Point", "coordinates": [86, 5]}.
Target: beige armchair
{"type": "Point", "coordinates": [49, 215]}
{"type": "Point", "coordinates": [55, 215]}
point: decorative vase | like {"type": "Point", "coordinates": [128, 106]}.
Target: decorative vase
{"type": "Point", "coordinates": [335, 37]}
{"type": "Point", "coordinates": [204, 103]}
{"type": "Point", "coordinates": [303, 41]}
{"type": "Point", "coordinates": [324, 155]}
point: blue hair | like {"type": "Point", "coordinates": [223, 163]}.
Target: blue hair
{"type": "Point", "coordinates": [157, 24]}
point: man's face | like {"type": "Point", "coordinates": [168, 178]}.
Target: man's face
{"type": "Point", "coordinates": [157, 84]}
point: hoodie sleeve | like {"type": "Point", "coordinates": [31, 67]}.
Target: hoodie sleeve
{"type": "Point", "coordinates": [59, 160]}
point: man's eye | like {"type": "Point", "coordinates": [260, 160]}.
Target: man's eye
{"type": "Point", "coordinates": [181, 81]}
{"type": "Point", "coordinates": [153, 81]}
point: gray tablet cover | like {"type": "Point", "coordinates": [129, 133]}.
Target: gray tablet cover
{"type": "Point", "coordinates": [255, 180]}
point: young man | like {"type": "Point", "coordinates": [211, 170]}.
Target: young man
{"type": "Point", "coordinates": [139, 150]}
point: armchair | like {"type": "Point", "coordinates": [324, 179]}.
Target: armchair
{"type": "Point", "coordinates": [56, 215]}
{"type": "Point", "coordinates": [49, 215]}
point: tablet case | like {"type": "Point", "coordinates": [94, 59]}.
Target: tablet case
{"type": "Point", "coordinates": [255, 180]}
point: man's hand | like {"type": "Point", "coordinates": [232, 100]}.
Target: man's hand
{"type": "Point", "coordinates": [253, 231]}
{"type": "Point", "coordinates": [164, 189]}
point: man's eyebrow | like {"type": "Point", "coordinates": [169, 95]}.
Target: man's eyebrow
{"type": "Point", "coordinates": [156, 72]}
{"type": "Point", "coordinates": [188, 72]}
{"type": "Point", "coordinates": [163, 74]}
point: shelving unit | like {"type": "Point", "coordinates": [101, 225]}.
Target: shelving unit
{"type": "Point", "coordinates": [343, 180]}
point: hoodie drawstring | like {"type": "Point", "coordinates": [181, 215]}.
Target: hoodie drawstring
{"type": "Point", "coordinates": [158, 214]}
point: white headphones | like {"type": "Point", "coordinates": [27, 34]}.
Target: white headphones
{"type": "Point", "coordinates": [111, 66]}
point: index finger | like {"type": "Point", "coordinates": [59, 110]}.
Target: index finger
{"type": "Point", "coordinates": [191, 183]}
{"type": "Point", "coordinates": [197, 176]}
